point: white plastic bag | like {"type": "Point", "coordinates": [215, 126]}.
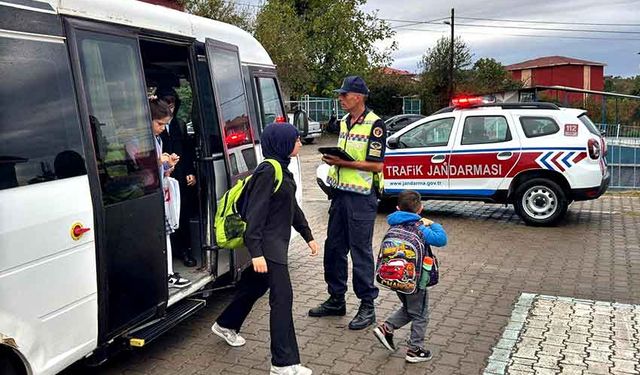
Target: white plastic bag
{"type": "Point", "coordinates": [171, 189]}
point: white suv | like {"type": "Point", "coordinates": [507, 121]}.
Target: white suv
{"type": "Point", "coordinates": [536, 156]}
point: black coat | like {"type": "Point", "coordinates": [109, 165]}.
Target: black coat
{"type": "Point", "coordinates": [177, 141]}
{"type": "Point", "coordinates": [269, 215]}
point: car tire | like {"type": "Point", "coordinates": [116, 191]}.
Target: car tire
{"type": "Point", "coordinates": [308, 141]}
{"type": "Point", "coordinates": [540, 202]}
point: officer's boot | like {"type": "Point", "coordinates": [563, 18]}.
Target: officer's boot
{"type": "Point", "coordinates": [365, 317]}
{"type": "Point", "coordinates": [334, 306]}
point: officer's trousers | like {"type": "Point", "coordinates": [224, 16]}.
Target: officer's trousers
{"type": "Point", "coordinates": [350, 229]}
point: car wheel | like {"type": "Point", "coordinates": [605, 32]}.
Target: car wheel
{"type": "Point", "coordinates": [540, 202]}
{"type": "Point", "coordinates": [308, 141]}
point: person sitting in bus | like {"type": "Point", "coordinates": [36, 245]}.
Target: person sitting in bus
{"type": "Point", "coordinates": [161, 116]}
{"type": "Point", "coordinates": [269, 216]}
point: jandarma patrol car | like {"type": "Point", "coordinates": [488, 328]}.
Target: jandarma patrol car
{"type": "Point", "coordinates": [536, 156]}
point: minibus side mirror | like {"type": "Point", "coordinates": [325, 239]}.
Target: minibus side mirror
{"type": "Point", "coordinates": [301, 122]}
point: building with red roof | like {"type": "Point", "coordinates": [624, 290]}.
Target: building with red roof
{"type": "Point", "coordinates": [560, 71]}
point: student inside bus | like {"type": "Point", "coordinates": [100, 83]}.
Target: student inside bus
{"type": "Point", "coordinates": [161, 116]}
{"type": "Point", "coordinates": [176, 140]}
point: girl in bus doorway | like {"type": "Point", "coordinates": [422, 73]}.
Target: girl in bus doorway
{"type": "Point", "coordinates": [161, 116]}
{"type": "Point", "coordinates": [269, 216]}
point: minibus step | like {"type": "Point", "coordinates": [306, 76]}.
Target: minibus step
{"type": "Point", "coordinates": [175, 314]}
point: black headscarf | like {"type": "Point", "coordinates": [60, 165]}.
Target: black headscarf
{"type": "Point", "coordinates": [278, 141]}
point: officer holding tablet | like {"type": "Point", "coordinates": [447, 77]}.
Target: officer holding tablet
{"type": "Point", "coordinates": [354, 187]}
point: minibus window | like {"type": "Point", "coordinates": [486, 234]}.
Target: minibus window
{"type": "Point", "coordinates": [119, 119]}
{"type": "Point", "coordinates": [269, 100]}
{"type": "Point", "coordinates": [233, 105]}
{"type": "Point", "coordinates": [39, 124]}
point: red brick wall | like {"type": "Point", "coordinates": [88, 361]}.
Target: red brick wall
{"type": "Point", "coordinates": [167, 3]}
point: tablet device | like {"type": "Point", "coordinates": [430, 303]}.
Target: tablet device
{"type": "Point", "coordinates": [336, 151]}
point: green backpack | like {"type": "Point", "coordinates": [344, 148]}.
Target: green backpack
{"type": "Point", "coordinates": [228, 224]}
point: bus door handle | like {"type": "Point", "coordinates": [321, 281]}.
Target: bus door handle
{"type": "Point", "coordinates": [505, 155]}
{"type": "Point", "coordinates": [438, 158]}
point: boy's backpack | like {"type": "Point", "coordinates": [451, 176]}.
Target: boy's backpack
{"type": "Point", "coordinates": [229, 226]}
{"type": "Point", "coordinates": [399, 265]}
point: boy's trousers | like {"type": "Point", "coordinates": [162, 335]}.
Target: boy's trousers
{"type": "Point", "coordinates": [414, 310]}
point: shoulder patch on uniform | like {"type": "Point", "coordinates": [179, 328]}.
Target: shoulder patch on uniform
{"type": "Point", "coordinates": [377, 132]}
{"type": "Point", "coordinates": [376, 146]}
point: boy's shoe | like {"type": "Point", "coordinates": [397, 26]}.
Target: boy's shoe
{"type": "Point", "coordinates": [175, 281]}
{"type": "Point", "coordinates": [416, 356]}
{"type": "Point", "coordinates": [290, 370]}
{"type": "Point", "coordinates": [230, 336]}
{"type": "Point", "coordinates": [385, 337]}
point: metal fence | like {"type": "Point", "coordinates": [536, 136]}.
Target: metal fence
{"type": "Point", "coordinates": [318, 108]}
{"type": "Point", "coordinates": [623, 155]}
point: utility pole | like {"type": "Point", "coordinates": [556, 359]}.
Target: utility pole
{"type": "Point", "coordinates": [451, 67]}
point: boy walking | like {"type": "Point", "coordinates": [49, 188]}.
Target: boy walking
{"type": "Point", "coordinates": [414, 308]}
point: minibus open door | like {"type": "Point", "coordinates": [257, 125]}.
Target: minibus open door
{"type": "Point", "coordinates": [125, 185]}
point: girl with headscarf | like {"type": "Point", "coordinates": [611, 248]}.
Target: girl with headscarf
{"type": "Point", "coordinates": [269, 217]}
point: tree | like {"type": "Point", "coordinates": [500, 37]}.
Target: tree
{"type": "Point", "coordinates": [489, 76]}
{"type": "Point", "coordinates": [220, 10]}
{"type": "Point", "coordinates": [636, 86]}
{"type": "Point", "coordinates": [330, 38]}
{"type": "Point", "coordinates": [435, 71]}
{"type": "Point", "coordinates": [281, 32]}
{"type": "Point", "coordinates": [387, 91]}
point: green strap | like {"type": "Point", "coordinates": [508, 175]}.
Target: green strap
{"type": "Point", "coordinates": [276, 165]}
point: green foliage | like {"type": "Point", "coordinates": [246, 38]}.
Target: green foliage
{"type": "Point", "coordinates": [622, 85]}
{"type": "Point", "coordinates": [319, 42]}
{"type": "Point", "coordinates": [281, 32]}
{"type": "Point", "coordinates": [387, 92]}
{"type": "Point", "coordinates": [435, 66]}
{"type": "Point", "coordinates": [220, 10]}
{"type": "Point", "coordinates": [489, 76]}
{"type": "Point", "coordinates": [186, 101]}
{"type": "Point", "coordinates": [636, 86]}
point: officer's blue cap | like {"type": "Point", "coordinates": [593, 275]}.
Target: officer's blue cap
{"type": "Point", "coordinates": [353, 84]}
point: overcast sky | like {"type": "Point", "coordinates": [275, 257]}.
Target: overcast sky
{"type": "Point", "coordinates": [621, 56]}
{"type": "Point", "coordinates": [619, 51]}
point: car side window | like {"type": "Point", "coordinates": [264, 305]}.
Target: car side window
{"type": "Point", "coordinates": [538, 126]}
{"type": "Point", "coordinates": [485, 129]}
{"type": "Point", "coordinates": [430, 134]}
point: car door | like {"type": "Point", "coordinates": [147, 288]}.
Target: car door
{"type": "Point", "coordinates": [486, 148]}
{"type": "Point", "coordinates": [418, 157]}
